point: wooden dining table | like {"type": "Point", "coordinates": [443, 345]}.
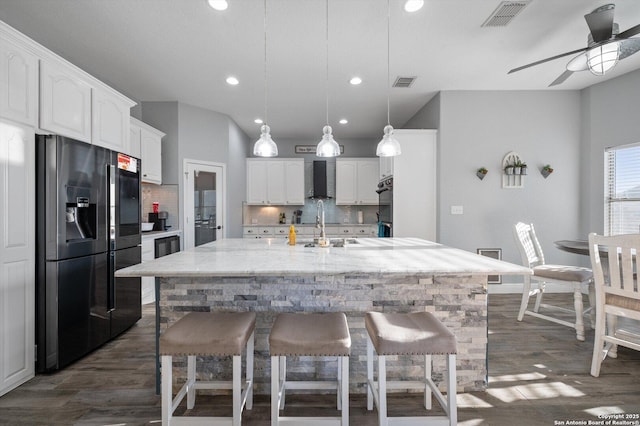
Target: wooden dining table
{"type": "Point", "coordinates": [576, 247]}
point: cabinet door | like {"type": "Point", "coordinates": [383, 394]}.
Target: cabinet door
{"type": "Point", "coordinates": [134, 141]}
{"type": "Point", "coordinates": [151, 154]}
{"type": "Point", "coordinates": [367, 181]}
{"type": "Point", "coordinates": [110, 125]}
{"type": "Point", "coordinates": [65, 103]}
{"type": "Point", "coordinates": [294, 181]}
{"type": "Point", "coordinates": [346, 187]}
{"type": "Point", "coordinates": [276, 193]}
{"type": "Point", "coordinates": [256, 182]}
{"type": "Point", "coordinates": [386, 167]}
{"type": "Point", "coordinates": [17, 254]}
{"type": "Point", "coordinates": [18, 84]}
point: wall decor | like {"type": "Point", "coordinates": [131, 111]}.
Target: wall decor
{"type": "Point", "coordinates": [311, 149]}
{"type": "Point", "coordinates": [546, 171]}
{"type": "Point", "coordinates": [482, 172]}
{"type": "Point", "coordinates": [514, 170]}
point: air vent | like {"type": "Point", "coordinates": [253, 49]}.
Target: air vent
{"type": "Point", "coordinates": [505, 12]}
{"type": "Point", "coordinates": [404, 81]}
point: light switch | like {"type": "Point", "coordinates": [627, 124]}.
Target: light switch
{"type": "Point", "coordinates": [457, 210]}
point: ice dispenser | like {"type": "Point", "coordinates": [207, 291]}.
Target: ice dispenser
{"type": "Point", "coordinates": [81, 219]}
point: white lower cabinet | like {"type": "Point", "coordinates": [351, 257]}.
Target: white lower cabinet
{"type": "Point", "coordinates": [17, 254]}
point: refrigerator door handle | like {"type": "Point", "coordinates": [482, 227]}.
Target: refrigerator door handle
{"type": "Point", "coordinates": [111, 297]}
{"type": "Point", "coordinates": [111, 204]}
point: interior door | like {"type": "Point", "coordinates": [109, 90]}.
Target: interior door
{"type": "Point", "coordinates": [204, 202]}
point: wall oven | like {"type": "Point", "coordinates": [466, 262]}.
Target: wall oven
{"type": "Point", "coordinates": [385, 207]}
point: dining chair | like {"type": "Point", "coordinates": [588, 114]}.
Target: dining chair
{"type": "Point", "coordinates": [617, 294]}
{"type": "Point", "coordinates": [575, 278]}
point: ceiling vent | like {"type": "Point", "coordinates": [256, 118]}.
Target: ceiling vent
{"type": "Point", "coordinates": [404, 81]}
{"type": "Point", "coordinates": [505, 12]}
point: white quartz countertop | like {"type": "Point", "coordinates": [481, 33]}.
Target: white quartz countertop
{"type": "Point", "coordinates": [267, 256]}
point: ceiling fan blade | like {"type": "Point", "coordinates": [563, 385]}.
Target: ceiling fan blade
{"type": "Point", "coordinates": [565, 75]}
{"type": "Point", "coordinates": [629, 32]}
{"type": "Point", "coordinates": [629, 47]}
{"type": "Point", "coordinates": [542, 61]}
{"type": "Point", "coordinates": [579, 63]}
{"type": "Point", "coordinates": [600, 23]}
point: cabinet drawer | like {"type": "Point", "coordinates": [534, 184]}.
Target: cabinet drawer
{"type": "Point", "coordinates": [258, 232]}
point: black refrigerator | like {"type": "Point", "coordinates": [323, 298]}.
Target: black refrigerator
{"type": "Point", "coordinates": [88, 226]}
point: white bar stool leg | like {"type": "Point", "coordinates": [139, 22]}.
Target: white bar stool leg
{"type": "Point", "coordinates": [167, 391]}
{"type": "Point", "coordinates": [275, 390]}
{"type": "Point", "coordinates": [249, 371]}
{"type": "Point", "coordinates": [283, 380]}
{"type": "Point", "coordinates": [370, 383]}
{"type": "Point", "coordinates": [191, 381]}
{"type": "Point", "coordinates": [344, 389]}
{"type": "Point", "coordinates": [427, 377]}
{"type": "Point", "coordinates": [237, 389]}
{"type": "Point", "coordinates": [451, 390]}
{"type": "Point", "coordinates": [382, 391]}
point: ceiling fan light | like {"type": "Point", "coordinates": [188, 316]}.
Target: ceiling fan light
{"type": "Point", "coordinates": [327, 147]}
{"type": "Point", "coordinates": [389, 145]}
{"type": "Point", "coordinates": [265, 146]}
{"type": "Point", "coordinates": [413, 5]}
{"type": "Point", "coordinates": [602, 58]}
{"type": "Point", "coordinates": [219, 4]}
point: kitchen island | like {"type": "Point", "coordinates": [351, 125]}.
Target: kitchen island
{"type": "Point", "coordinates": [268, 276]}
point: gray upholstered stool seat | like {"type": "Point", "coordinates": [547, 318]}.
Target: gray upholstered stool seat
{"type": "Point", "coordinates": [208, 334]}
{"type": "Point", "coordinates": [309, 334]}
{"type": "Point", "coordinates": [416, 333]}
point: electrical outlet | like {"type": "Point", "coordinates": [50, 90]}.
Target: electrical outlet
{"type": "Point", "coordinates": [457, 210]}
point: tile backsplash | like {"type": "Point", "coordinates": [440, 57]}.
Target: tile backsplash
{"type": "Point", "coordinates": [166, 196]}
{"type": "Point", "coordinates": [270, 215]}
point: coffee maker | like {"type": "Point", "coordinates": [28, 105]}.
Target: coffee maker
{"type": "Point", "coordinates": [159, 221]}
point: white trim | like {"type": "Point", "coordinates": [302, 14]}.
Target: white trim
{"type": "Point", "coordinates": [516, 288]}
{"type": "Point", "coordinates": [187, 198]}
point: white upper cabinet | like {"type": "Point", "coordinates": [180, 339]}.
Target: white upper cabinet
{"type": "Point", "coordinates": [18, 84]}
{"type": "Point", "coordinates": [149, 142]}
{"type": "Point", "coordinates": [356, 180]}
{"type": "Point", "coordinates": [275, 181]}
{"type": "Point", "coordinates": [294, 181]}
{"type": "Point", "coordinates": [134, 139]}
{"type": "Point", "coordinates": [110, 125]}
{"type": "Point", "coordinates": [386, 167]}
{"type": "Point", "coordinates": [65, 102]}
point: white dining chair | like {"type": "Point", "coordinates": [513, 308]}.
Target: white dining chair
{"type": "Point", "coordinates": [617, 294]}
{"type": "Point", "coordinates": [576, 278]}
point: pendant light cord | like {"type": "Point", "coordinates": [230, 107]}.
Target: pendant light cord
{"type": "Point", "coordinates": [388, 60]}
{"type": "Point", "coordinates": [265, 62]}
{"type": "Point", "coordinates": [327, 46]}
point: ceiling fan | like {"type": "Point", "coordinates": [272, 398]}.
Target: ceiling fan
{"type": "Point", "coordinates": [605, 46]}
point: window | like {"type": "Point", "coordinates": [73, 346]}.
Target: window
{"type": "Point", "coordinates": [622, 190]}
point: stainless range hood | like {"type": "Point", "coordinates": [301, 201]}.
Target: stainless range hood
{"type": "Point", "coordinates": [319, 180]}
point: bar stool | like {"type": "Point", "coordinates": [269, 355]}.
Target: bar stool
{"type": "Point", "coordinates": [309, 334]}
{"type": "Point", "coordinates": [208, 334]}
{"type": "Point", "coordinates": [416, 333]}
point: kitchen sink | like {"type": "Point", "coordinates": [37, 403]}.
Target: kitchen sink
{"type": "Point", "coordinates": [333, 242]}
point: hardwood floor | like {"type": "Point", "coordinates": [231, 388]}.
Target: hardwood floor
{"type": "Point", "coordinates": [539, 375]}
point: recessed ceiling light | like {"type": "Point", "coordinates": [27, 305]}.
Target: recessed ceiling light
{"type": "Point", "coordinates": [258, 121]}
{"type": "Point", "coordinates": [218, 4]}
{"type": "Point", "coordinates": [355, 81]}
{"type": "Point", "coordinates": [343, 121]}
{"type": "Point", "coordinates": [232, 81]}
{"type": "Point", "coordinates": [413, 5]}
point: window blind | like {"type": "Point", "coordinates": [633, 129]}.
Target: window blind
{"type": "Point", "coordinates": [622, 190]}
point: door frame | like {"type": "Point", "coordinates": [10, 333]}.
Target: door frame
{"type": "Point", "coordinates": [187, 198]}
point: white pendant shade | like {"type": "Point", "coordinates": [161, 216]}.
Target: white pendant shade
{"type": "Point", "coordinates": [327, 147]}
{"type": "Point", "coordinates": [389, 145]}
{"type": "Point", "coordinates": [602, 58]}
{"type": "Point", "coordinates": [265, 146]}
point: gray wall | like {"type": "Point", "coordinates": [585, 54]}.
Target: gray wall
{"type": "Point", "coordinates": [197, 133]}
{"type": "Point", "coordinates": [477, 128]}
{"type": "Point", "coordinates": [610, 118]}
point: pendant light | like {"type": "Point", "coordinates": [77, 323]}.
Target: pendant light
{"type": "Point", "coordinates": [389, 145]}
{"type": "Point", "coordinates": [327, 147]}
{"type": "Point", "coordinates": [265, 146]}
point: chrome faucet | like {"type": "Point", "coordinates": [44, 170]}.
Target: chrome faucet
{"type": "Point", "coordinates": [322, 241]}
